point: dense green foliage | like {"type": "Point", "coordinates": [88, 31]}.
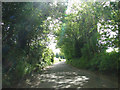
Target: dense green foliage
{"type": "Point", "coordinates": [83, 37]}
{"type": "Point", "coordinates": [25, 38]}
{"type": "Point", "coordinates": [87, 35]}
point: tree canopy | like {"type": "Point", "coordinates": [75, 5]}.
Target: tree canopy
{"type": "Point", "coordinates": [83, 36]}
{"type": "Point", "coordinates": [88, 31]}
{"type": "Point", "coordinates": [25, 37]}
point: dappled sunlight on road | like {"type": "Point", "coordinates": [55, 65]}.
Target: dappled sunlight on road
{"type": "Point", "coordinates": [61, 75]}
{"type": "Point", "coordinates": [59, 80]}
{"type": "Point", "coordinates": [57, 76]}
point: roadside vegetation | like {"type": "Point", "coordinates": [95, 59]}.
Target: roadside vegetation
{"type": "Point", "coordinates": [83, 33]}
{"type": "Point", "coordinates": [87, 33]}
{"type": "Point", "coordinates": [25, 39]}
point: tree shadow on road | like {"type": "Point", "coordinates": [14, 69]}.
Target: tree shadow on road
{"type": "Point", "coordinates": [55, 79]}
{"type": "Point", "coordinates": [62, 75]}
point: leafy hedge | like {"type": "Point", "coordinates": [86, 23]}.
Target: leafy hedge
{"type": "Point", "coordinates": [102, 62]}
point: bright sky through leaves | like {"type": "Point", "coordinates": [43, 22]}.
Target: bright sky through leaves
{"type": "Point", "coordinates": [52, 45]}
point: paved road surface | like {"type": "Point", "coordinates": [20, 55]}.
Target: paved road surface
{"type": "Point", "coordinates": [61, 75]}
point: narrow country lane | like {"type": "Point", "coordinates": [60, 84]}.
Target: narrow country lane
{"type": "Point", "coordinates": [61, 75]}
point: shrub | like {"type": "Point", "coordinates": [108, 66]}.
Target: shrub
{"type": "Point", "coordinates": [109, 62]}
{"type": "Point", "coordinates": [79, 62]}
